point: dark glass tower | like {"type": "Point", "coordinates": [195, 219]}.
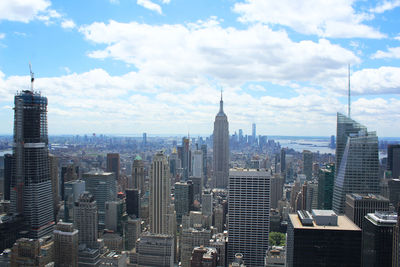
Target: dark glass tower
{"type": "Point", "coordinates": [31, 193]}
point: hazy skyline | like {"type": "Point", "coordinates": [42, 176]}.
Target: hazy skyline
{"type": "Point", "coordinates": [157, 66]}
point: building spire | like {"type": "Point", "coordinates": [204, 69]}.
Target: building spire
{"type": "Point", "coordinates": [349, 109]}
{"type": "Point", "coordinates": [221, 104]}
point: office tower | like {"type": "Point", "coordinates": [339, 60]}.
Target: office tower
{"type": "Point", "coordinates": [113, 164]}
{"type": "Point", "coordinates": [190, 239]}
{"type": "Point", "coordinates": [207, 203]}
{"type": "Point", "coordinates": [174, 163]}
{"type": "Point", "coordinates": [277, 183]}
{"type": "Point", "coordinates": [332, 143]}
{"type": "Point", "coordinates": [65, 245]}
{"type": "Point", "coordinates": [358, 169]}
{"type": "Point", "coordinates": [396, 241]}
{"type": "Point", "coordinates": [310, 196]}
{"type": "Point", "coordinates": [53, 166]}
{"type": "Point", "coordinates": [153, 250]}
{"type": "Point", "coordinates": [115, 215]}
{"type": "Point", "coordinates": [204, 256]}
{"type": "Point", "coordinates": [138, 175]}
{"type": "Point", "coordinates": [8, 167]}
{"type": "Point", "coordinates": [185, 158]}
{"type": "Point", "coordinates": [72, 191]}
{"type": "Point", "coordinates": [219, 218]}
{"type": "Point", "coordinates": [393, 160]}
{"type": "Point", "coordinates": [12, 227]}
{"type": "Point", "coordinates": [183, 199]}
{"type": "Point", "coordinates": [253, 133]}
{"type": "Point", "coordinates": [112, 241]}
{"type": "Point", "coordinates": [31, 193]}
{"type": "Point", "coordinates": [326, 178]}
{"type": "Point", "coordinates": [322, 239]}
{"type": "Point", "coordinates": [359, 205]}
{"type": "Point", "coordinates": [307, 164]}
{"type": "Point", "coordinates": [394, 191]}
{"type": "Point", "coordinates": [377, 239]}
{"type": "Point", "coordinates": [248, 209]}
{"type": "Point", "coordinates": [160, 194]}
{"type": "Point", "coordinates": [205, 176]}
{"type": "Point", "coordinates": [144, 140]}
{"type": "Point", "coordinates": [133, 202]}
{"type": "Point", "coordinates": [197, 164]}
{"type": "Point", "coordinates": [221, 148]}
{"type": "Point", "coordinates": [283, 160]}
{"type": "Point", "coordinates": [86, 219]}
{"type": "Point", "coordinates": [33, 252]}
{"type": "Point", "coordinates": [102, 186]}
{"type": "Point", "coordinates": [68, 173]}
{"type": "Point", "coordinates": [132, 231]}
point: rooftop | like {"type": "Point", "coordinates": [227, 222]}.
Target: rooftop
{"type": "Point", "coordinates": [344, 224]}
{"type": "Point", "coordinates": [357, 196]}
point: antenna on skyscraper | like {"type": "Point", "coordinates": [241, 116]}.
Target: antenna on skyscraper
{"type": "Point", "coordinates": [349, 93]}
{"type": "Point", "coordinates": [32, 77]}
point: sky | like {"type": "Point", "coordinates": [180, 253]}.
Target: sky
{"type": "Point", "coordinates": [158, 66]}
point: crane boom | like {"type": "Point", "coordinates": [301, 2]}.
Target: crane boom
{"type": "Point", "coordinates": [32, 76]}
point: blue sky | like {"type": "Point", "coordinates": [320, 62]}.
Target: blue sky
{"type": "Point", "coordinates": [157, 66]}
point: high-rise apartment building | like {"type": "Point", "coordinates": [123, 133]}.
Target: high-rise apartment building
{"type": "Point", "coordinates": [65, 245]}
{"type": "Point", "coordinates": [358, 169]}
{"type": "Point", "coordinates": [377, 239]}
{"type": "Point", "coordinates": [113, 164]}
{"type": "Point", "coordinates": [31, 193]}
{"type": "Point", "coordinates": [248, 209]}
{"type": "Point", "coordinates": [102, 186]}
{"type": "Point", "coordinates": [138, 175]}
{"type": "Point", "coordinates": [307, 164]}
{"type": "Point", "coordinates": [160, 194]}
{"type": "Point", "coordinates": [359, 205]}
{"type": "Point", "coordinates": [322, 239]}
{"type": "Point", "coordinates": [86, 219]}
{"type": "Point", "coordinates": [393, 160]}
{"type": "Point", "coordinates": [221, 148]}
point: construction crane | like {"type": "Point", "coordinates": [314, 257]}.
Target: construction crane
{"type": "Point", "coordinates": [32, 77]}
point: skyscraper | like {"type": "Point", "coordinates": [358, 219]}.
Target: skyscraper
{"type": "Point", "coordinates": [307, 164]}
{"type": "Point", "coordinates": [85, 219]}
{"type": "Point", "coordinates": [160, 194]}
{"type": "Point", "coordinates": [393, 160]}
{"type": "Point", "coordinates": [253, 133]}
{"type": "Point", "coordinates": [113, 164]}
{"type": "Point", "coordinates": [31, 193]}
{"type": "Point", "coordinates": [248, 209]}
{"type": "Point", "coordinates": [65, 245]}
{"type": "Point", "coordinates": [325, 186]}
{"type": "Point", "coordinates": [221, 148]}
{"type": "Point", "coordinates": [358, 161]}
{"type": "Point", "coordinates": [138, 175]}
{"type": "Point", "coordinates": [8, 167]}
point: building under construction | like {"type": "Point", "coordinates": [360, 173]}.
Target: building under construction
{"type": "Point", "coordinates": [31, 193]}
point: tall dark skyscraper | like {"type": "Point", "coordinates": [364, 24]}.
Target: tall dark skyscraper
{"type": "Point", "coordinates": [393, 160]}
{"type": "Point", "coordinates": [8, 167]}
{"type": "Point", "coordinates": [221, 148]}
{"type": "Point", "coordinates": [113, 164]}
{"type": "Point", "coordinates": [31, 193]}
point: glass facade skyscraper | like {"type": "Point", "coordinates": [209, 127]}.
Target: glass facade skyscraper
{"type": "Point", "coordinates": [358, 162]}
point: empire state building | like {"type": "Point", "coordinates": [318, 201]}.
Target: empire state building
{"type": "Point", "coordinates": [221, 148]}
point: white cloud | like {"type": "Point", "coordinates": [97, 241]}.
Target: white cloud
{"type": "Point", "coordinates": [383, 80]}
{"type": "Point", "coordinates": [397, 37]}
{"type": "Point", "coordinates": [329, 18]}
{"type": "Point", "coordinates": [150, 5]}
{"type": "Point", "coordinates": [165, 1]}
{"type": "Point", "coordinates": [256, 88]}
{"type": "Point", "coordinates": [385, 6]}
{"type": "Point", "coordinates": [68, 24]}
{"type": "Point", "coordinates": [96, 101]}
{"type": "Point", "coordinates": [186, 53]}
{"type": "Point", "coordinates": [392, 52]}
{"type": "Point", "coordinates": [2, 35]}
{"type": "Point", "coordinates": [23, 11]}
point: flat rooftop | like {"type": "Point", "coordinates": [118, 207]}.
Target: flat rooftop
{"type": "Point", "coordinates": [357, 196]}
{"type": "Point", "coordinates": [344, 224]}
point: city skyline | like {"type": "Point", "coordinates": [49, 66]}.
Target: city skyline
{"type": "Point", "coordinates": [128, 67]}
